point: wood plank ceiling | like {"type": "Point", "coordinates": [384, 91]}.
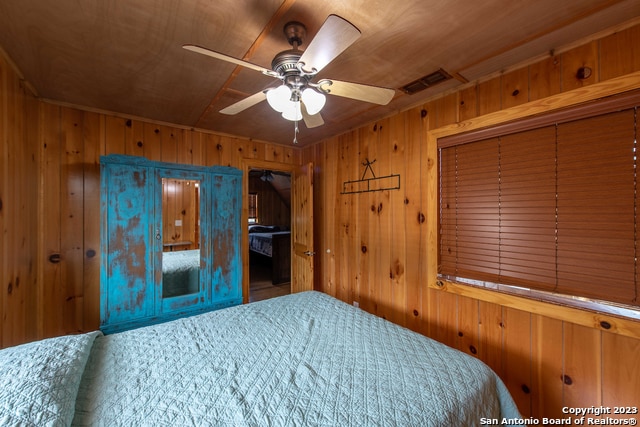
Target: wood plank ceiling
{"type": "Point", "coordinates": [127, 57]}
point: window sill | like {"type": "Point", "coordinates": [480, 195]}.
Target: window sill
{"type": "Point", "coordinates": [616, 319]}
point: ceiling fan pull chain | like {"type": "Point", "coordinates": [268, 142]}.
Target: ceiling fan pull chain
{"type": "Point", "coordinates": [295, 133]}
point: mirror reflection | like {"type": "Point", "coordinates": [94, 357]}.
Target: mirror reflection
{"type": "Point", "coordinates": [181, 237]}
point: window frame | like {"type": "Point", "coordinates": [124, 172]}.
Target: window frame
{"type": "Point", "coordinates": [619, 91]}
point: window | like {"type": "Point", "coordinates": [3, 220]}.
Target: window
{"type": "Point", "coordinates": [550, 208]}
{"type": "Point", "coordinates": [253, 208]}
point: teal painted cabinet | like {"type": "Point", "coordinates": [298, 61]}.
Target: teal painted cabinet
{"type": "Point", "coordinates": [170, 240]}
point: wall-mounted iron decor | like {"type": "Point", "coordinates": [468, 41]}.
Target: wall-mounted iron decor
{"type": "Point", "coordinates": [366, 185]}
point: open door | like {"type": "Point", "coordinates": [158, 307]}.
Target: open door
{"type": "Point", "coordinates": [302, 229]}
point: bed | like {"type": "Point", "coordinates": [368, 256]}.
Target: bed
{"type": "Point", "coordinates": [180, 273]}
{"type": "Point", "coordinates": [304, 359]}
{"type": "Point", "coordinates": [273, 242]}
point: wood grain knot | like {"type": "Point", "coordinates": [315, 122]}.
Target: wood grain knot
{"type": "Point", "coordinates": [139, 144]}
{"type": "Point", "coordinates": [415, 313]}
{"type": "Point", "coordinates": [156, 130]}
{"type": "Point", "coordinates": [421, 218]}
{"type": "Point", "coordinates": [423, 113]}
{"type": "Point", "coordinates": [439, 283]}
{"type": "Point", "coordinates": [460, 334]}
{"type": "Point", "coordinates": [219, 147]}
{"type": "Point", "coordinates": [363, 249]}
{"type": "Point", "coordinates": [90, 253]}
{"type": "Point", "coordinates": [566, 379]}
{"type": "Point", "coordinates": [473, 350]}
{"type": "Point", "coordinates": [583, 73]}
{"type": "Point", "coordinates": [526, 389]}
{"type": "Point", "coordinates": [515, 92]}
{"type": "Point", "coordinates": [10, 288]}
{"type": "Point", "coordinates": [54, 258]}
{"type": "Point", "coordinates": [128, 123]}
{"type": "Point", "coordinates": [605, 325]}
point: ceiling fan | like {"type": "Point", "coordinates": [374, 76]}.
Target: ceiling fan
{"type": "Point", "coordinates": [299, 97]}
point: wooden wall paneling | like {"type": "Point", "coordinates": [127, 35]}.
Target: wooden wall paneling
{"type": "Point", "coordinates": [618, 55]}
{"type": "Point", "coordinates": [577, 59]}
{"type": "Point", "coordinates": [544, 78]}
{"type": "Point", "coordinates": [169, 141]}
{"type": "Point", "coordinates": [490, 336]}
{"type": "Point", "coordinates": [10, 322]}
{"type": "Point", "coordinates": [468, 325]}
{"type": "Point", "coordinates": [547, 364]}
{"type": "Point", "coordinates": [467, 103]}
{"type": "Point", "coordinates": [382, 167]}
{"type": "Point", "coordinates": [18, 242]}
{"type": "Point", "coordinates": [329, 193]}
{"type": "Point", "coordinates": [29, 214]}
{"type": "Point", "coordinates": [582, 374]}
{"type": "Point", "coordinates": [446, 109]}
{"type": "Point", "coordinates": [212, 149]}
{"type": "Point", "coordinates": [363, 242]}
{"type": "Point", "coordinates": [275, 152]}
{"type": "Point", "coordinates": [117, 140]}
{"type": "Point", "coordinates": [348, 282]}
{"type": "Point", "coordinates": [224, 151]}
{"type": "Point", "coordinates": [52, 321]}
{"type": "Point", "coordinates": [93, 134]}
{"type": "Point", "coordinates": [447, 314]}
{"type": "Point", "coordinates": [133, 137]}
{"type": "Point", "coordinates": [414, 219]}
{"type": "Point", "coordinates": [489, 99]}
{"type": "Point", "coordinates": [620, 372]}
{"type": "Point", "coordinates": [185, 147]}
{"type": "Point", "coordinates": [152, 141]}
{"type": "Point", "coordinates": [4, 188]}
{"type": "Point", "coordinates": [374, 277]}
{"type": "Point", "coordinates": [197, 148]}
{"type": "Point", "coordinates": [515, 87]}
{"type": "Point", "coordinates": [397, 209]}
{"type": "Point", "coordinates": [72, 218]}
{"type": "Point", "coordinates": [517, 362]}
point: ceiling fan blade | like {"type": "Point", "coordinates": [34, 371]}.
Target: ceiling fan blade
{"type": "Point", "coordinates": [223, 57]}
{"type": "Point", "coordinates": [244, 104]}
{"type": "Point", "coordinates": [335, 35]}
{"type": "Point", "coordinates": [312, 121]}
{"type": "Point", "coordinates": [373, 94]}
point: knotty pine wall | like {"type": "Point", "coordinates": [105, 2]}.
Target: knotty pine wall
{"type": "Point", "coordinates": [371, 247]}
{"type": "Point", "coordinates": [50, 201]}
{"type": "Point", "coordinates": [375, 248]}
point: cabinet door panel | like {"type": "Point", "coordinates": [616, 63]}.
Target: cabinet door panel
{"type": "Point", "coordinates": [226, 195]}
{"type": "Point", "coordinates": [127, 233]}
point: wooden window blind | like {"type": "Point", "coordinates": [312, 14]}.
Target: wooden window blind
{"type": "Point", "coordinates": [551, 208]}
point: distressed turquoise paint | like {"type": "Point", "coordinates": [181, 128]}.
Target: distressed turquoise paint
{"type": "Point", "coordinates": [131, 215]}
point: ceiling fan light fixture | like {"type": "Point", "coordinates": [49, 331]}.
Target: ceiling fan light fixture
{"type": "Point", "coordinates": [279, 98]}
{"type": "Point", "coordinates": [313, 100]}
{"type": "Point", "coordinates": [292, 111]}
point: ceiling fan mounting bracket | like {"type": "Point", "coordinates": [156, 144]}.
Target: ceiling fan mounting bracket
{"type": "Point", "coordinates": [295, 32]}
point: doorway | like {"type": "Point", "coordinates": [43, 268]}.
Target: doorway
{"type": "Point", "coordinates": [269, 233]}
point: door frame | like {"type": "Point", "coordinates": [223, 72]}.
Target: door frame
{"type": "Point", "coordinates": [247, 165]}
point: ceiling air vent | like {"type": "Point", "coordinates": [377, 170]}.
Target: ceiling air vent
{"type": "Point", "coordinates": [425, 82]}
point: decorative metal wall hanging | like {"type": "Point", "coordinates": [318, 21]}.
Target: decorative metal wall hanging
{"type": "Point", "coordinates": [366, 185]}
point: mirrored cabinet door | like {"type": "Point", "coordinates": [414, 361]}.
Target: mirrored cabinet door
{"type": "Point", "coordinates": [180, 229]}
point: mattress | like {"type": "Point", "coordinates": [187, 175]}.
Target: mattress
{"type": "Point", "coordinates": [304, 359]}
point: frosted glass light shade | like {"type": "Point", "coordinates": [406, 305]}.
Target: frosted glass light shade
{"type": "Point", "coordinates": [313, 100]}
{"type": "Point", "coordinates": [292, 111]}
{"type": "Point", "coordinates": [279, 98]}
